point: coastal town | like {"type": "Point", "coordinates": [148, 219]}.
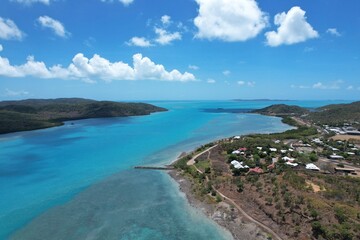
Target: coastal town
{"type": "Point", "coordinates": [303, 183]}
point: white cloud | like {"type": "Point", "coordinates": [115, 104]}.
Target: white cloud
{"type": "Point", "coordinates": [309, 49]}
{"type": "Point", "coordinates": [125, 2]}
{"type": "Point", "coordinates": [249, 83]}
{"type": "Point", "coordinates": [333, 31]}
{"type": "Point", "coordinates": [29, 2]}
{"type": "Point", "coordinates": [9, 30]}
{"type": "Point", "coordinates": [56, 26]}
{"type": "Point", "coordinates": [96, 67]}
{"type": "Point", "coordinates": [226, 72]}
{"type": "Point", "coordinates": [11, 93]}
{"type": "Point", "coordinates": [229, 20]}
{"type": "Point", "coordinates": [89, 42]}
{"type": "Point", "coordinates": [350, 87]}
{"type": "Point", "coordinates": [332, 85]}
{"type": "Point", "coordinates": [319, 85]}
{"type": "Point", "coordinates": [1, 48]}
{"type": "Point", "coordinates": [164, 37]}
{"type": "Point", "coordinates": [299, 86]}
{"type": "Point", "coordinates": [166, 20]}
{"type": "Point", "coordinates": [139, 42]}
{"type": "Point", "coordinates": [193, 67]}
{"type": "Point", "coordinates": [293, 28]}
{"type": "Point", "coordinates": [211, 80]}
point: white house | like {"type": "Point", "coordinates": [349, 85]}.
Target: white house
{"type": "Point", "coordinates": [273, 149]}
{"type": "Point", "coordinates": [236, 152]}
{"type": "Point", "coordinates": [288, 159]}
{"type": "Point", "coordinates": [259, 148]}
{"type": "Point", "coordinates": [237, 137]}
{"type": "Point", "coordinates": [292, 164]}
{"type": "Point", "coordinates": [311, 166]}
{"type": "Point", "coordinates": [283, 151]}
{"type": "Point", "coordinates": [336, 157]}
{"type": "Point", "coordinates": [238, 165]}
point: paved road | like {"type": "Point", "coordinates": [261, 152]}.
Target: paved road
{"type": "Point", "coordinates": [192, 160]}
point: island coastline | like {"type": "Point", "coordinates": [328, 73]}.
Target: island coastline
{"type": "Point", "coordinates": [222, 210]}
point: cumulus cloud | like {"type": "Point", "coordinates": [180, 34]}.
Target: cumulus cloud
{"type": "Point", "coordinates": [56, 26]}
{"type": "Point", "coordinates": [226, 72]}
{"type": "Point", "coordinates": [249, 83]}
{"type": "Point", "coordinates": [331, 85]}
{"type": "Point", "coordinates": [139, 42]}
{"type": "Point", "coordinates": [333, 31]}
{"type": "Point", "coordinates": [9, 30]}
{"type": "Point", "coordinates": [229, 20]}
{"type": "Point", "coordinates": [293, 28]}
{"type": "Point", "coordinates": [11, 93]}
{"type": "Point", "coordinates": [125, 2]}
{"type": "Point", "coordinates": [299, 86]}
{"type": "Point", "coordinates": [193, 67]}
{"type": "Point", "coordinates": [88, 70]}
{"type": "Point", "coordinates": [164, 37]}
{"type": "Point", "coordinates": [211, 80]}
{"type": "Point", "coordinates": [89, 42]}
{"type": "Point", "coordinates": [166, 19]}
{"type": "Point", "coordinates": [1, 48]}
{"type": "Point", "coordinates": [29, 2]}
{"type": "Point", "coordinates": [350, 87]}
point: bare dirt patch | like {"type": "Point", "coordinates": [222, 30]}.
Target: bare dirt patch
{"type": "Point", "coordinates": [346, 138]}
{"type": "Point", "coordinates": [314, 186]}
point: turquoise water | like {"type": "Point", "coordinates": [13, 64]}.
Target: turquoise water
{"type": "Point", "coordinates": [77, 180]}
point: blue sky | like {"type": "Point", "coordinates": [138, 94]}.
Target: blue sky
{"type": "Point", "coordinates": [180, 49]}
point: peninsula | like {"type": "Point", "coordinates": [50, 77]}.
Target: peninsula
{"type": "Point", "coordinates": [299, 184]}
{"type": "Point", "coordinates": [34, 114]}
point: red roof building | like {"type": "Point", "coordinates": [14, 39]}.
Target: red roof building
{"type": "Point", "coordinates": [256, 170]}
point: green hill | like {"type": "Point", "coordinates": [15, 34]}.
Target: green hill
{"type": "Point", "coordinates": [43, 113]}
{"type": "Point", "coordinates": [336, 114]}
{"type": "Point", "coordinates": [282, 110]}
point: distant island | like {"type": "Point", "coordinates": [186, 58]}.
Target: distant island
{"type": "Point", "coordinates": [34, 114]}
{"type": "Point", "coordinates": [334, 114]}
{"type": "Point", "coordinates": [262, 100]}
{"type": "Point", "coordinates": [300, 184]}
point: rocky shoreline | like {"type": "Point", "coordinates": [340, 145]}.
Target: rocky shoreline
{"type": "Point", "coordinates": [222, 213]}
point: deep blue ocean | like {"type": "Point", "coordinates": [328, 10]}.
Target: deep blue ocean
{"type": "Point", "coordinates": [77, 181]}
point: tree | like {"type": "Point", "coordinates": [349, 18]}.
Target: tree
{"type": "Point", "coordinates": [240, 186]}
{"type": "Point", "coordinates": [317, 229]}
{"type": "Point", "coordinates": [313, 157]}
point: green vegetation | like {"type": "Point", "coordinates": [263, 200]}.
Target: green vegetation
{"type": "Point", "coordinates": [336, 114]}
{"type": "Point", "coordinates": [282, 110]}
{"type": "Point", "coordinates": [323, 204]}
{"type": "Point", "coordinates": [41, 113]}
{"type": "Point", "coordinates": [289, 121]}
